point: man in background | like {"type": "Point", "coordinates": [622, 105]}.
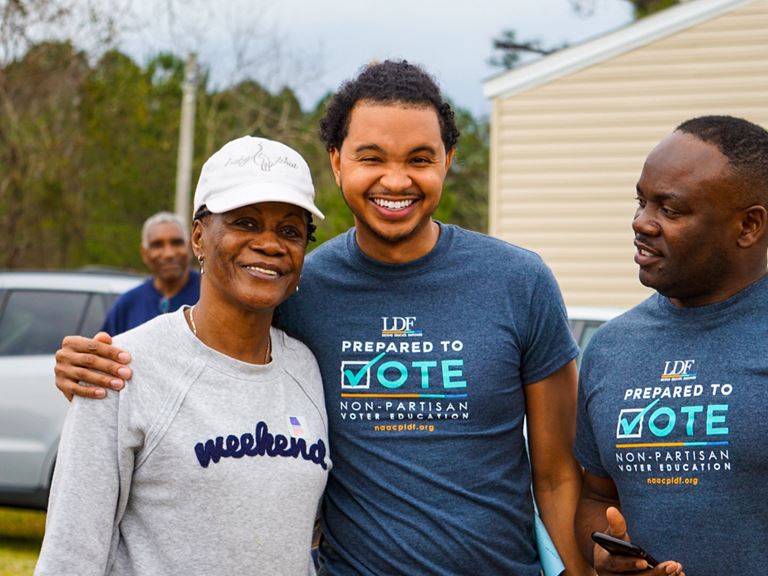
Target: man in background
{"type": "Point", "coordinates": [165, 251]}
{"type": "Point", "coordinates": [672, 394]}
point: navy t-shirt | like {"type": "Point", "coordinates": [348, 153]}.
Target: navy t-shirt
{"type": "Point", "coordinates": [424, 366]}
{"type": "Point", "coordinates": [672, 407]}
{"type": "Point", "coordinates": [145, 302]}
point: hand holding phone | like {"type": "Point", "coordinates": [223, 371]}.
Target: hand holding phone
{"type": "Point", "coordinates": [620, 547]}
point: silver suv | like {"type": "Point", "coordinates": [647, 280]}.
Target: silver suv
{"type": "Point", "coordinates": [37, 309]}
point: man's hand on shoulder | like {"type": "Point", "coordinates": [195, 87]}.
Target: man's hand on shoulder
{"type": "Point", "coordinates": [608, 564]}
{"type": "Point", "coordinates": [93, 361]}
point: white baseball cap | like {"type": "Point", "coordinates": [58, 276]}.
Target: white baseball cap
{"type": "Point", "coordinates": [250, 170]}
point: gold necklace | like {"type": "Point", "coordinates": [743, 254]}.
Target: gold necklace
{"type": "Point", "coordinates": [194, 331]}
{"type": "Point", "coordinates": [192, 321]}
{"type": "Point", "coordinates": [269, 348]}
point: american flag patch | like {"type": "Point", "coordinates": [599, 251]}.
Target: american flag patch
{"type": "Point", "coordinates": [296, 427]}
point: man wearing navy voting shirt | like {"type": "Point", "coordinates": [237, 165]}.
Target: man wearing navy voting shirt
{"type": "Point", "coordinates": [672, 394]}
{"type": "Point", "coordinates": [165, 251]}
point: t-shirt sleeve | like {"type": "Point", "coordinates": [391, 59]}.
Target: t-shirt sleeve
{"type": "Point", "coordinates": [585, 447]}
{"type": "Point", "coordinates": [550, 344]}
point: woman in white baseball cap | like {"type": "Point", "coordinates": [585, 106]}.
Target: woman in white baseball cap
{"type": "Point", "coordinates": [214, 457]}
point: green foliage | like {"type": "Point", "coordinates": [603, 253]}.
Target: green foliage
{"type": "Point", "coordinates": [39, 154]}
{"type": "Point", "coordinates": [128, 121]}
{"type": "Point", "coordinates": [338, 218]}
{"type": "Point", "coordinates": [465, 194]}
{"type": "Point", "coordinates": [643, 8]}
{"type": "Point", "coordinates": [508, 50]}
{"type": "Point", "coordinates": [89, 150]}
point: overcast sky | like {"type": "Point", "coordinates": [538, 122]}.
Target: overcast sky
{"type": "Point", "coordinates": [332, 39]}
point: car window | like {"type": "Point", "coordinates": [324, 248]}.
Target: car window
{"type": "Point", "coordinates": [94, 315]}
{"type": "Point", "coordinates": [585, 333]}
{"type": "Point", "coordinates": [576, 327]}
{"type": "Point", "coordinates": [35, 321]}
{"type": "Point", "coordinates": [590, 327]}
{"type": "Point", "coordinates": [110, 299]}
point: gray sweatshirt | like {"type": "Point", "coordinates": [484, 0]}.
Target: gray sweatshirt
{"type": "Point", "coordinates": [202, 465]}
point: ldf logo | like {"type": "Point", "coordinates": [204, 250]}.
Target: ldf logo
{"type": "Point", "coordinates": [399, 326]}
{"type": "Point", "coordinates": [678, 370]}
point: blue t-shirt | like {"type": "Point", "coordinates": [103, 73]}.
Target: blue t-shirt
{"type": "Point", "coordinates": [144, 303]}
{"type": "Point", "coordinates": [673, 404]}
{"type": "Point", "coordinates": [424, 366]}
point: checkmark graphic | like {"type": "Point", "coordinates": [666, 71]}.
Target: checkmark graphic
{"type": "Point", "coordinates": [354, 377]}
{"type": "Point", "coordinates": [628, 426]}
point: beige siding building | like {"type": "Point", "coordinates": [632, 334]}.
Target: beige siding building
{"type": "Point", "coordinates": [569, 133]}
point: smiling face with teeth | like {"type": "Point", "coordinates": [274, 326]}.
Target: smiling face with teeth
{"type": "Point", "coordinates": [252, 255]}
{"type": "Point", "coordinates": [391, 168]}
{"type": "Point", "coordinates": [690, 223]}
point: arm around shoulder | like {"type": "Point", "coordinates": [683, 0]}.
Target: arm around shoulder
{"type": "Point", "coordinates": [93, 361]}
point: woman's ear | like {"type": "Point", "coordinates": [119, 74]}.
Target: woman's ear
{"type": "Point", "coordinates": [197, 239]}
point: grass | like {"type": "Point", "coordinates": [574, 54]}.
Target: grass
{"type": "Point", "coordinates": [21, 533]}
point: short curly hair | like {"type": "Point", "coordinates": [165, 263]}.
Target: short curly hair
{"type": "Point", "coordinates": [387, 82]}
{"type": "Point", "coordinates": [744, 143]}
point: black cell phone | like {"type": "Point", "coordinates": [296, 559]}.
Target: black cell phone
{"type": "Point", "coordinates": [623, 548]}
